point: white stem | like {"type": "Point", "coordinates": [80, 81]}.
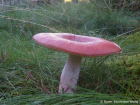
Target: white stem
{"type": "Point", "coordinates": [70, 74]}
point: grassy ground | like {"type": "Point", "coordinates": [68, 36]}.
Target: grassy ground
{"type": "Point", "coordinates": [30, 73]}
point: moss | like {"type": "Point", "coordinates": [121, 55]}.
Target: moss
{"type": "Point", "coordinates": [129, 67]}
{"type": "Point", "coordinates": [132, 64]}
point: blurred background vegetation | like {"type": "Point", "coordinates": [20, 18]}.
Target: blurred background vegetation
{"type": "Point", "coordinates": [29, 73]}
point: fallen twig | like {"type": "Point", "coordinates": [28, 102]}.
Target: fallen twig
{"type": "Point", "coordinates": [125, 33]}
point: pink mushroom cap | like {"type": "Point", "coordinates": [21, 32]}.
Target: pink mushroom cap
{"type": "Point", "coordinates": [84, 46]}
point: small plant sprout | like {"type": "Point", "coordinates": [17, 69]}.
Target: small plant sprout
{"type": "Point", "coordinates": [77, 46]}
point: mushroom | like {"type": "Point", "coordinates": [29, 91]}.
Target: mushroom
{"type": "Point", "coordinates": [77, 46]}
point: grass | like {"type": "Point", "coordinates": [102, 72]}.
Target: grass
{"type": "Point", "coordinates": [30, 73]}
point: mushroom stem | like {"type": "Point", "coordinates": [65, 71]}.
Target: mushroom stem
{"type": "Point", "coordinates": [70, 74]}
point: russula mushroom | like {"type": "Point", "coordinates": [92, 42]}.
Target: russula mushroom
{"type": "Point", "coordinates": [76, 46]}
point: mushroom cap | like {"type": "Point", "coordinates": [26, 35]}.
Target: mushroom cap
{"type": "Point", "coordinates": [77, 44]}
